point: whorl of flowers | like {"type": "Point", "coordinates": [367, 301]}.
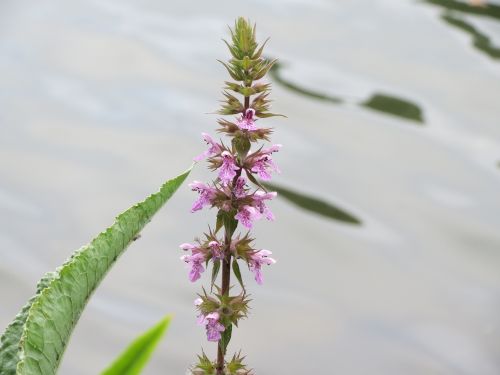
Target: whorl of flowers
{"type": "Point", "coordinates": [238, 197]}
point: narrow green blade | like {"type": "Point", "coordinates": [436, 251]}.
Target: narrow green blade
{"type": "Point", "coordinates": [137, 354]}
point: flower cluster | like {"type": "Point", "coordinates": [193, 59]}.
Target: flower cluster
{"type": "Point", "coordinates": [238, 197]}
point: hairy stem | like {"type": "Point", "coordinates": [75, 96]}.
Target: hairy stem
{"type": "Point", "coordinates": [247, 98]}
{"type": "Point", "coordinates": [226, 278]}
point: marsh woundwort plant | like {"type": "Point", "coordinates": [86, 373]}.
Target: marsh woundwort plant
{"type": "Point", "coordinates": [237, 195]}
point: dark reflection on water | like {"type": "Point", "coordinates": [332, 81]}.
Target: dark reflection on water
{"type": "Point", "coordinates": [316, 205]}
{"type": "Point", "coordinates": [384, 103]}
{"type": "Point", "coordinates": [394, 106]}
{"type": "Point", "coordinates": [480, 41]}
{"type": "Point", "coordinates": [276, 76]}
{"type": "Point", "coordinates": [487, 10]}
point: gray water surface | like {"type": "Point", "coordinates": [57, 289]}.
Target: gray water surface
{"type": "Point", "coordinates": [103, 100]}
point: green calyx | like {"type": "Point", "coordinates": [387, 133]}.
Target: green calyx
{"type": "Point", "coordinates": [234, 367]}
{"type": "Point", "coordinates": [230, 308]}
{"type": "Point", "coordinates": [233, 309]}
{"type": "Point", "coordinates": [204, 366]}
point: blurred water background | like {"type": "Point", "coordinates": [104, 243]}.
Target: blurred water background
{"type": "Point", "coordinates": [388, 228]}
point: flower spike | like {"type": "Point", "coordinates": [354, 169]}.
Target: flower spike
{"type": "Point", "coordinates": [238, 197]}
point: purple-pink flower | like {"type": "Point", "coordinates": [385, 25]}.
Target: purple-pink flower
{"type": "Point", "coordinates": [263, 164]}
{"type": "Point", "coordinates": [216, 249]}
{"type": "Point", "coordinates": [212, 325]}
{"type": "Point", "coordinates": [247, 122]}
{"type": "Point", "coordinates": [247, 215]}
{"type": "Point", "coordinates": [274, 148]}
{"type": "Point", "coordinates": [258, 202]}
{"type": "Point", "coordinates": [207, 194]}
{"type": "Point", "coordinates": [228, 168]}
{"type": "Point", "coordinates": [194, 260]}
{"type": "Point", "coordinates": [213, 149]}
{"type": "Point", "coordinates": [256, 261]}
{"type": "Point", "coordinates": [239, 187]}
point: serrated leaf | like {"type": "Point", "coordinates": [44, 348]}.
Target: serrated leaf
{"type": "Point", "coordinates": [35, 342]}
{"type": "Point", "coordinates": [9, 346]}
{"type": "Point", "coordinates": [138, 353]}
{"type": "Point", "coordinates": [237, 273]}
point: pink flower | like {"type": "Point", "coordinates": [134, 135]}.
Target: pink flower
{"type": "Point", "coordinates": [256, 261]}
{"type": "Point", "coordinates": [258, 202]}
{"type": "Point", "coordinates": [194, 260]}
{"type": "Point", "coordinates": [239, 187]}
{"type": "Point", "coordinates": [189, 246]}
{"type": "Point", "coordinates": [246, 215]}
{"type": "Point", "coordinates": [247, 122]}
{"type": "Point", "coordinates": [263, 166]}
{"type": "Point", "coordinates": [217, 250]}
{"type": "Point", "coordinates": [212, 325]}
{"type": "Point", "coordinates": [262, 163]}
{"type": "Point", "coordinates": [274, 148]}
{"type": "Point", "coordinates": [228, 168]}
{"type": "Point", "coordinates": [214, 148]}
{"type": "Point", "coordinates": [207, 194]}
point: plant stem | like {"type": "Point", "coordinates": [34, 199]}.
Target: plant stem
{"type": "Point", "coordinates": [247, 98]}
{"type": "Point", "coordinates": [226, 279]}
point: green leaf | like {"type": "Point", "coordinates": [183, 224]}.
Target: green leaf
{"type": "Point", "coordinates": [9, 342]}
{"type": "Point", "coordinates": [242, 146]}
{"type": "Point", "coordinates": [33, 344]}
{"type": "Point", "coordinates": [237, 273]}
{"type": "Point", "coordinates": [314, 204]}
{"type": "Point", "coordinates": [220, 221]}
{"type": "Point", "coordinates": [215, 272]}
{"type": "Point", "coordinates": [226, 337]}
{"type": "Point", "coordinates": [230, 223]}
{"type": "Point", "coordinates": [137, 354]}
{"type": "Point", "coordinates": [252, 178]}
